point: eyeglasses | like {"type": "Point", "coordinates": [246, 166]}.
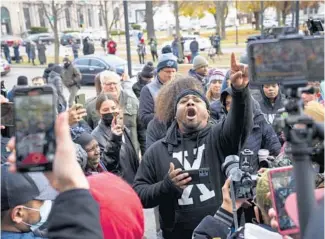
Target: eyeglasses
{"type": "Point", "coordinates": [95, 147]}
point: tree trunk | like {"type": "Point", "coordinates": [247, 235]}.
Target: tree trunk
{"type": "Point", "coordinates": [223, 17]}
{"type": "Point", "coordinates": [149, 20]}
{"type": "Point", "coordinates": [176, 13]}
{"type": "Point", "coordinates": [257, 20]}
{"type": "Point", "coordinates": [278, 16]}
{"type": "Point", "coordinates": [284, 16]}
{"type": "Point", "coordinates": [106, 20]}
{"type": "Point", "coordinates": [56, 34]}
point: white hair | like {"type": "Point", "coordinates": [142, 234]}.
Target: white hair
{"type": "Point", "coordinates": [108, 76]}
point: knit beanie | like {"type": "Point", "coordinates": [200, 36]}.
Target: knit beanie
{"type": "Point", "coordinates": [199, 61]}
{"type": "Point", "coordinates": [22, 80]}
{"type": "Point", "coordinates": [84, 139]}
{"type": "Point", "coordinates": [215, 74]}
{"type": "Point", "coordinates": [148, 70]}
{"type": "Point", "coordinates": [191, 92]}
{"type": "Point", "coordinates": [166, 49]}
{"type": "Point", "coordinates": [167, 61]}
{"type": "Point", "coordinates": [315, 110]}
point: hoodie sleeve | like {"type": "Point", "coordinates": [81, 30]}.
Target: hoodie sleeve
{"type": "Point", "coordinates": [75, 214]}
{"type": "Point", "coordinates": [147, 106]}
{"type": "Point", "coordinates": [111, 152]}
{"type": "Point", "coordinates": [234, 130]}
{"type": "Point", "coordinates": [217, 226]}
{"type": "Point", "coordinates": [270, 140]}
{"type": "Point", "coordinates": [151, 192]}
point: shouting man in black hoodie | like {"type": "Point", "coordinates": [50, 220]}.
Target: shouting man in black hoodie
{"type": "Point", "coordinates": [192, 143]}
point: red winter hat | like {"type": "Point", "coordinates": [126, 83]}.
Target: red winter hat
{"type": "Point", "coordinates": [121, 214]}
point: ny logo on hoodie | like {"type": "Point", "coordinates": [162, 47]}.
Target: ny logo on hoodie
{"type": "Point", "coordinates": [205, 192]}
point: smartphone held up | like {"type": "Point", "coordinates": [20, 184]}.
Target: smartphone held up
{"type": "Point", "coordinates": [34, 120]}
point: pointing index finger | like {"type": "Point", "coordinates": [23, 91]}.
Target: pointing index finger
{"type": "Point", "coordinates": [233, 62]}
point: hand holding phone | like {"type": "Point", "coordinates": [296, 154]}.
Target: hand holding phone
{"type": "Point", "coordinates": [178, 178]}
{"type": "Point", "coordinates": [76, 113]}
{"type": "Point", "coordinates": [35, 114]}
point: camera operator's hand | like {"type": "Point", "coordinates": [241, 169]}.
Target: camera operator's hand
{"type": "Point", "coordinates": [179, 180]}
{"type": "Point", "coordinates": [67, 173]}
{"type": "Point", "coordinates": [227, 203]}
{"type": "Point", "coordinates": [239, 74]}
{"type": "Point", "coordinates": [76, 113]}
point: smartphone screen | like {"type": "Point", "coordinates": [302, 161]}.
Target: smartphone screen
{"type": "Point", "coordinates": [282, 185]}
{"type": "Point", "coordinates": [35, 135]}
{"type": "Point", "coordinates": [7, 114]}
{"type": "Point", "coordinates": [286, 60]}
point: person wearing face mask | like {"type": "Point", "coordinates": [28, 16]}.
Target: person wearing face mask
{"type": "Point", "coordinates": [26, 201]}
{"type": "Point", "coordinates": [94, 161]}
{"type": "Point", "coordinates": [71, 78]}
{"type": "Point", "coordinates": [116, 147]}
{"type": "Point", "coordinates": [110, 83]}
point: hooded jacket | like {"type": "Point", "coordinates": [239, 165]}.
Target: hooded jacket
{"type": "Point", "coordinates": [55, 80]}
{"type": "Point", "coordinates": [118, 156]}
{"type": "Point", "coordinates": [147, 100]}
{"type": "Point", "coordinates": [71, 76]}
{"type": "Point", "coordinates": [268, 109]}
{"type": "Point", "coordinates": [262, 135]}
{"type": "Point", "coordinates": [137, 87]}
{"type": "Point", "coordinates": [202, 79]}
{"type": "Point", "coordinates": [182, 210]}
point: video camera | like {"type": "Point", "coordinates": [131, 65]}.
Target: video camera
{"type": "Point", "coordinates": [314, 26]}
{"type": "Point", "coordinates": [293, 61]}
{"type": "Point", "coordinates": [239, 170]}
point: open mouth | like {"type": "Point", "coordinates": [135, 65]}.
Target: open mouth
{"type": "Point", "coordinates": [191, 113]}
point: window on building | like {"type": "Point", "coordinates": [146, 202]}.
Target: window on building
{"type": "Point", "coordinates": [41, 17]}
{"type": "Point", "coordinates": [90, 18]}
{"type": "Point", "coordinates": [315, 10]}
{"type": "Point", "coordinates": [305, 11]}
{"type": "Point", "coordinates": [67, 18]}
{"type": "Point", "coordinates": [100, 18]}
{"type": "Point", "coordinates": [27, 17]}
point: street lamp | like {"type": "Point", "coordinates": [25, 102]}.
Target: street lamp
{"type": "Point", "coordinates": [127, 36]}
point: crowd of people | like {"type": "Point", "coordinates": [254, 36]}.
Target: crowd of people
{"type": "Point", "coordinates": [126, 149]}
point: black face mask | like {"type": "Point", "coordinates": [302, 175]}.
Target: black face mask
{"type": "Point", "coordinates": [67, 64]}
{"type": "Point", "coordinates": [107, 118]}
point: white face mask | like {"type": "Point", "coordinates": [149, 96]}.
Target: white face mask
{"type": "Point", "coordinates": [44, 211]}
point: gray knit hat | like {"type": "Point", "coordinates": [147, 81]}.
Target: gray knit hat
{"type": "Point", "coordinates": [199, 61]}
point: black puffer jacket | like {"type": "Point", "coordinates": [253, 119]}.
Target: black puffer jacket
{"type": "Point", "coordinates": [117, 152]}
{"type": "Point", "coordinates": [268, 109]}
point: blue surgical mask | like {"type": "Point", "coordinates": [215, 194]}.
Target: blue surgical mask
{"type": "Point", "coordinates": [44, 211]}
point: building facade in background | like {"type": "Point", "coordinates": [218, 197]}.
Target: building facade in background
{"type": "Point", "coordinates": [18, 16]}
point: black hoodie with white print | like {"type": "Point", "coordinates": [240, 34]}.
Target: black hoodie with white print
{"type": "Point", "coordinates": [182, 210]}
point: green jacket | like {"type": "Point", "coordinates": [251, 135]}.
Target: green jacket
{"type": "Point", "coordinates": [153, 45]}
{"type": "Point", "coordinates": [130, 104]}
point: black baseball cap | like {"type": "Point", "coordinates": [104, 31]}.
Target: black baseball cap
{"type": "Point", "coordinates": [18, 188]}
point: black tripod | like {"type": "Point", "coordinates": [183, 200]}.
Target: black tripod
{"type": "Point", "coordinates": [300, 131]}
